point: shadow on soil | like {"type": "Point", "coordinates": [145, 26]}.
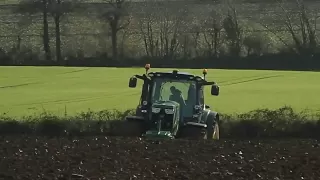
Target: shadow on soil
{"type": "Point", "coordinates": [261, 123]}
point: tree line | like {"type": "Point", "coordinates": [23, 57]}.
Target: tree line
{"type": "Point", "coordinates": [164, 33]}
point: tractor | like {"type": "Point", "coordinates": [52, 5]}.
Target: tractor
{"type": "Point", "coordinates": [172, 106]}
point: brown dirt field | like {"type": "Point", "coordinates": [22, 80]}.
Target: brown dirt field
{"type": "Point", "coordinates": [123, 158]}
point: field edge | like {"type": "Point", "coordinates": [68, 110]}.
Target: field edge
{"type": "Point", "coordinates": [261, 123]}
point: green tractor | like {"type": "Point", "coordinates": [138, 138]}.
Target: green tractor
{"type": "Point", "coordinates": [172, 106]}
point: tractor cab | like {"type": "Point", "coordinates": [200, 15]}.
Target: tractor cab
{"type": "Point", "coordinates": [170, 101]}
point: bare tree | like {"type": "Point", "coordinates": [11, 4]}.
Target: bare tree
{"type": "Point", "coordinates": [32, 7]}
{"type": "Point", "coordinates": [118, 19]}
{"type": "Point", "coordinates": [147, 25]}
{"type": "Point", "coordinates": [212, 29]}
{"type": "Point", "coordinates": [301, 26]}
{"type": "Point", "coordinates": [19, 30]}
{"type": "Point", "coordinates": [233, 31]}
{"type": "Point", "coordinates": [196, 39]}
{"type": "Point", "coordinates": [254, 44]}
{"type": "Point", "coordinates": [55, 8]}
{"type": "Point", "coordinates": [161, 28]}
{"type": "Point", "coordinates": [190, 35]}
{"type": "Point", "coordinates": [59, 8]}
{"type": "Point", "coordinates": [186, 43]}
{"type": "Point", "coordinates": [125, 35]}
{"type": "Point", "coordinates": [307, 43]}
{"type": "Point", "coordinates": [171, 24]}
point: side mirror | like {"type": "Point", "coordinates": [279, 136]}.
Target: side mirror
{"type": "Point", "coordinates": [207, 106]}
{"type": "Point", "coordinates": [133, 82]}
{"type": "Point", "coordinates": [215, 90]}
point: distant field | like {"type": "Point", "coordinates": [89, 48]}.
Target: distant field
{"type": "Point", "coordinates": [28, 90]}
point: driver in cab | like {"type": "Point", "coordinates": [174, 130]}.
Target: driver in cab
{"type": "Point", "coordinates": [176, 96]}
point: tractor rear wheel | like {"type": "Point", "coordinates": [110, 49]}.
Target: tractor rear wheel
{"type": "Point", "coordinates": [216, 133]}
{"type": "Point", "coordinates": [212, 131]}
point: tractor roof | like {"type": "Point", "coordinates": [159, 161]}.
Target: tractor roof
{"type": "Point", "coordinates": [175, 74]}
{"type": "Point", "coordinates": [171, 73]}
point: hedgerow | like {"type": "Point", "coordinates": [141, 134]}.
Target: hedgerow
{"type": "Point", "coordinates": [261, 123]}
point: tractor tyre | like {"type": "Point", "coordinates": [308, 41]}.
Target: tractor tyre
{"type": "Point", "coordinates": [212, 131]}
{"type": "Point", "coordinates": [216, 133]}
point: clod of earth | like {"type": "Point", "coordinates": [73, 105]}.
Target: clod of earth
{"type": "Point", "coordinates": [133, 158]}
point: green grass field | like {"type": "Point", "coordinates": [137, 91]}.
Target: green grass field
{"type": "Point", "coordinates": [29, 90]}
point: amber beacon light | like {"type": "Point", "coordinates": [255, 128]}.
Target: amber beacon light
{"type": "Point", "coordinates": [205, 72]}
{"type": "Point", "coordinates": [147, 67]}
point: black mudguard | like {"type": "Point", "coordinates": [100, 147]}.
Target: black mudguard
{"type": "Point", "coordinates": [208, 114]}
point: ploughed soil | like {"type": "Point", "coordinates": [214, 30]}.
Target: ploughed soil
{"type": "Point", "coordinates": [132, 158]}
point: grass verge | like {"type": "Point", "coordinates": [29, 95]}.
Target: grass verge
{"type": "Point", "coordinates": [261, 123]}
